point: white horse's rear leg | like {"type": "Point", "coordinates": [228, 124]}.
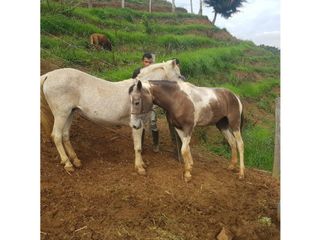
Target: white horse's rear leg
{"type": "Point", "coordinates": [240, 147]}
{"type": "Point", "coordinates": [59, 123]}
{"type": "Point", "coordinates": [67, 144]}
{"type": "Point", "coordinates": [186, 154]}
{"type": "Point", "coordinates": [233, 144]}
{"type": "Point", "coordinates": [137, 137]}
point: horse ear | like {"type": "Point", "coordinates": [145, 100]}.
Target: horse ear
{"type": "Point", "coordinates": [139, 85]}
{"type": "Point", "coordinates": [174, 63]}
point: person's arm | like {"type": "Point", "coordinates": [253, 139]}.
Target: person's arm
{"type": "Point", "coordinates": [136, 73]}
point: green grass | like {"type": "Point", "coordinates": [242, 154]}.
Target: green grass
{"type": "Point", "coordinates": [253, 90]}
{"type": "Point", "coordinates": [258, 145]}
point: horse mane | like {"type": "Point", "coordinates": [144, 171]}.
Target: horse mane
{"type": "Point", "coordinates": [150, 68]}
{"type": "Point", "coordinates": [162, 82]}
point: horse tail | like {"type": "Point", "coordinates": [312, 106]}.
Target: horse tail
{"type": "Point", "coordinates": [47, 118]}
{"type": "Point", "coordinates": [241, 112]}
{"type": "Point", "coordinates": [242, 120]}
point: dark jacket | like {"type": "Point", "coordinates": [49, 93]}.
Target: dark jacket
{"type": "Point", "coordinates": [136, 72]}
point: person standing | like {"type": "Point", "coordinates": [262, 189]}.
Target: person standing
{"type": "Point", "coordinates": [148, 59]}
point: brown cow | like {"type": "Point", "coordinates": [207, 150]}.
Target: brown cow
{"type": "Point", "coordinates": [100, 40]}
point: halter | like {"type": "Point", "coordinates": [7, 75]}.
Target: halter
{"type": "Point", "coordinates": [142, 112]}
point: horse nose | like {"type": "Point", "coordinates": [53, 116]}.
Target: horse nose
{"type": "Point", "coordinates": [183, 78]}
{"type": "Point", "coordinates": [136, 125]}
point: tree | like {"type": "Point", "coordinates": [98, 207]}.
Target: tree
{"type": "Point", "coordinates": [224, 7]}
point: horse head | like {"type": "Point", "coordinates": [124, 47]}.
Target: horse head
{"type": "Point", "coordinates": [161, 71]}
{"type": "Point", "coordinates": [141, 105]}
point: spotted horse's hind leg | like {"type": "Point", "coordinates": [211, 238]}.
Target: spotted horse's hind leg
{"type": "Point", "coordinates": [240, 147]}
{"type": "Point", "coordinates": [223, 126]}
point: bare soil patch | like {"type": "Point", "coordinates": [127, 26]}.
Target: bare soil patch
{"type": "Point", "coordinates": [106, 199]}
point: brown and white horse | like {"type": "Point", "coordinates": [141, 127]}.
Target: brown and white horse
{"type": "Point", "coordinates": [188, 106]}
{"type": "Point", "coordinates": [99, 40]}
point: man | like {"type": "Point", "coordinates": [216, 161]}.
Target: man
{"type": "Point", "coordinates": [147, 59]}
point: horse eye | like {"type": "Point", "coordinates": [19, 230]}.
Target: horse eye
{"type": "Point", "coordinates": [136, 103]}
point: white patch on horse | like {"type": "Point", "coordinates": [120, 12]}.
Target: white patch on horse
{"type": "Point", "coordinates": [199, 96]}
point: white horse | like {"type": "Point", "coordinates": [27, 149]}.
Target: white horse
{"type": "Point", "coordinates": [66, 90]}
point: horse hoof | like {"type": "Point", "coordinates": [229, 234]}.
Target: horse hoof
{"type": "Point", "coordinates": [187, 177]}
{"type": "Point", "coordinates": [69, 168]}
{"type": "Point", "coordinates": [63, 162]}
{"type": "Point", "coordinates": [155, 149]}
{"type": "Point", "coordinates": [241, 176]}
{"type": "Point", "coordinates": [77, 163]}
{"type": "Point", "coordinates": [231, 167]}
{"type": "Point", "coordinates": [142, 171]}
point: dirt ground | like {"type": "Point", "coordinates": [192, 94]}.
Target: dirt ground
{"type": "Point", "coordinates": [106, 199]}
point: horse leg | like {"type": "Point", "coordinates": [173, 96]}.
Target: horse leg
{"type": "Point", "coordinates": [233, 144]}
{"type": "Point", "coordinates": [175, 139]}
{"type": "Point", "coordinates": [240, 147]}
{"type": "Point", "coordinates": [59, 123]}
{"type": "Point", "coordinates": [186, 154]}
{"type": "Point", "coordinates": [139, 164]}
{"type": "Point", "coordinates": [67, 144]}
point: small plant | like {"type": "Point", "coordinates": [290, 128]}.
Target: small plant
{"type": "Point", "coordinates": [147, 25]}
{"type": "Point", "coordinates": [265, 221]}
{"type": "Point", "coordinates": [201, 134]}
{"type": "Point", "coordinates": [234, 80]}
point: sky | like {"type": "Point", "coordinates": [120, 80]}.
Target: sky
{"type": "Point", "coordinates": [258, 20]}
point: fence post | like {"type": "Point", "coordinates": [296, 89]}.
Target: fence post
{"type": "Point", "coordinates": [276, 161]}
{"type": "Point", "coordinates": [173, 6]}
{"type": "Point", "coordinates": [200, 9]}
{"type": "Point", "coordinates": [122, 3]}
{"type": "Point", "coordinates": [89, 3]}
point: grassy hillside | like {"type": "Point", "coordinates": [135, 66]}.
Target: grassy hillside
{"type": "Point", "coordinates": [209, 57]}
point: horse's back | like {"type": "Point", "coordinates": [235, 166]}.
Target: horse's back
{"type": "Point", "coordinates": [213, 104]}
{"type": "Point", "coordinates": [62, 88]}
{"type": "Point", "coordinates": [66, 89]}
{"type": "Point", "coordinates": [230, 105]}
{"type": "Point", "coordinates": [229, 97]}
